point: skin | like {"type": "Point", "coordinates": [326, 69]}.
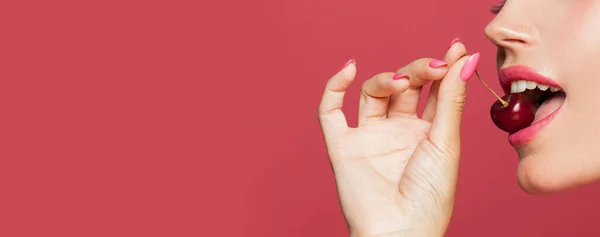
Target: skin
{"type": "Point", "coordinates": [541, 34]}
{"type": "Point", "coordinates": [396, 173]}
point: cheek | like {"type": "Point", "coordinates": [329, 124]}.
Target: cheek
{"type": "Point", "coordinates": [578, 70]}
{"type": "Point", "coordinates": [570, 33]}
{"type": "Point", "coordinates": [567, 152]}
{"type": "Point", "coordinates": [554, 162]}
{"type": "Point", "coordinates": [577, 67]}
{"type": "Point", "coordinates": [564, 159]}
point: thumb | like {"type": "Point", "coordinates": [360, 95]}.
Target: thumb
{"type": "Point", "coordinates": [445, 128]}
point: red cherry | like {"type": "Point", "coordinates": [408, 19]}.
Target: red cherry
{"type": "Point", "coordinates": [512, 112]}
{"type": "Point", "coordinates": [516, 114]}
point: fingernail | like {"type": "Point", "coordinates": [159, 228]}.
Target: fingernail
{"type": "Point", "coordinates": [437, 64]}
{"type": "Point", "coordinates": [399, 76]}
{"type": "Point", "coordinates": [453, 42]}
{"type": "Point", "coordinates": [351, 61]}
{"type": "Point", "coordinates": [469, 67]}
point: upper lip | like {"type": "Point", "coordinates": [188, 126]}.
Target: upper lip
{"type": "Point", "coordinates": [516, 73]}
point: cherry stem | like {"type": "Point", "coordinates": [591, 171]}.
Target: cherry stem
{"type": "Point", "coordinates": [504, 103]}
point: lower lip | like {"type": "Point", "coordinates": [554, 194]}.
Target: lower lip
{"type": "Point", "coordinates": [526, 135]}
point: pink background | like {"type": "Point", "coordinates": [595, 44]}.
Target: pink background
{"type": "Point", "coordinates": [198, 118]}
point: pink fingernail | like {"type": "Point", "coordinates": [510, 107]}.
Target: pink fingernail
{"type": "Point", "coordinates": [437, 64]}
{"type": "Point", "coordinates": [399, 76]}
{"type": "Point", "coordinates": [453, 42]}
{"type": "Point", "coordinates": [351, 61]}
{"type": "Point", "coordinates": [469, 67]}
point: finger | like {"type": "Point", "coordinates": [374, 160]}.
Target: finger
{"type": "Point", "coordinates": [445, 128]}
{"type": "Point", "coordinates": [431, 104]}
{"type": "Point", "coordinates": [376, 92]}
{"type": "Point", "coordinates": [331, 117]}
{"type": "Point", "coordinates": [420, 71]}
{"type": "Point", "coordinates": [456, 51]}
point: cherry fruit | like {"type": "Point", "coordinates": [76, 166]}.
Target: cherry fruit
{"type": "Point", "coordinates": [516, 114]}
{"type": "Point", "coordinates": [512, 112]}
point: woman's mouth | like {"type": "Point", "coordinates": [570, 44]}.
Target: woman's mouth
{"type": "Point", "coordinates": [542, 95]}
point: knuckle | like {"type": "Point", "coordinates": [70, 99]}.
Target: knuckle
{"type": "Point", "coordinates": [366, 84]}
{"type": "Point", "coordinates": [320, 113]}
{"type": "Point", "coordinates": [325, 109]}
{"type": "Point", "coordinates": [381, 78]}
{"type": "Point", "coordinates": [408, 68]}
{"type": "Point", "coordinates": [419, 71]}
{"type": "Point", "coordinates": [321, 116]}
{"type": "Point", "coordinates": [422, 62]}
{"type": "Point", "coordinates": [376, 84]}
{"type": "Point", "coordinates": [459, 101]}
{"type": "Point", "coordinates": [324, 112]}
{"type": "Point", "coordinates": [365, 89]}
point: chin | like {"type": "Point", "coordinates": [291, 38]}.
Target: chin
{"type": "Point", "coordinates": [535, 178]}
{"type": "Point", "coordinates": [541, 174]}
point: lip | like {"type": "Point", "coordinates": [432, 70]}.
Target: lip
{"type": "Point", "coordinates": [516, 73]}
{"type": "Point", "coordinates": [526, 135]}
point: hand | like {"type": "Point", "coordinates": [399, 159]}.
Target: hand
{"type": "Point", "coordinates": [396, 173]}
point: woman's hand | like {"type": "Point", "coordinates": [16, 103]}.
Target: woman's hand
{"type": "Point", "coordinates": [396, 173]}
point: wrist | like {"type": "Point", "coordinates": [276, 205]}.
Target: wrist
{"type": "Point", "coordinates": [406, 233]}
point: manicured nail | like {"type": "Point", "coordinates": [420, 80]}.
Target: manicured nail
{"type": "Point", "coordinates": [469, 67]}
{"type": "Point", "coordinates": [351, 61]}
{"type": "Point", "coordinates": [399, 76]}
{"type": "Point", "coordinates": [437, 64]}
{"type": "Point", "coordinates": [453, 42]}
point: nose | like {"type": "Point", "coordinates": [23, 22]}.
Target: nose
{"type": "Point", "coordinates": [510, 33]}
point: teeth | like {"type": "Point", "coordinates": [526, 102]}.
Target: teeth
{"type": "Point", "coordinates": [518, 86]}
{"type": "Point", "coordinates": [513, 87]}
{"type": "Point", "coordinates": [521, 86]}
{"type": "Point", "coordinates": [531, 85]}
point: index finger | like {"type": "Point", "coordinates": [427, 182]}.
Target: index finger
{"type": "Point", "coordinates": [421, 72]}
{"type": "Point", "coordinates": [424, 70]}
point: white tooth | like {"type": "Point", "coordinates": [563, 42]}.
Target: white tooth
{"type": "Point", "coordinates": [543, 87]}
{"type": "Point", "coordinates": [531, 85]}
{"type": "Point", "coordinates": [521, 86]}
{"type": "Point", "coordinates": [513, 87]}
{"type": "Point", "coordinates": [554, 89]}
